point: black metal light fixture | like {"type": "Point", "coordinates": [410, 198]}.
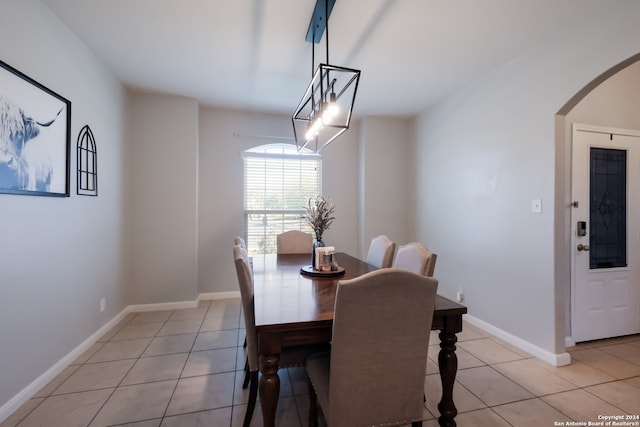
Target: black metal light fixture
{"type": "Point", "coordinates": [324, 112]}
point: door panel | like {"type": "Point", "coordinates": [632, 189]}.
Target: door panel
{"type": "Point", "coordinates": [620, 293]}
{"type": "Point", "coordinates": [596, 296]}
{"type": "Point", "coordinates": [605, 259]}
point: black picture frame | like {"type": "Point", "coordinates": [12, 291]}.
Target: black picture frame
{"type": "Point", "coordinates": [35, 137]}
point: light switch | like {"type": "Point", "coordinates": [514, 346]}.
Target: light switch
{"type": "Point", "coordinates": [536, 206]}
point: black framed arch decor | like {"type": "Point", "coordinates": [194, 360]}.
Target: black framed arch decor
{"type": "Point", "coordinates": [87, 163]}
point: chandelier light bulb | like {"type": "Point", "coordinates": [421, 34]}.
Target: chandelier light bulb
{"type": "Point", "coordinates": [309, 134]}
{"type": "Point", "coordinates": [331, 110]}
{"type": "Point", "coordinates": [314, 129]}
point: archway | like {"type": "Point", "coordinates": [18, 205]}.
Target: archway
{"type": "Point", "coordinates": [562, 220]}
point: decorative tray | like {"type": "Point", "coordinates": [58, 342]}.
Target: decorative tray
{"type": "Point", "coordinates": [308, 270]}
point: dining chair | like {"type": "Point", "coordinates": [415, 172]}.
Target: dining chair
{"type": "Point", "coordinates": [294, 242]}
{"type": "Point", "coordinates": [375, 371]}
{"type": "Point", "coordinates": [417, 258]}
{"type": "Point", "coordinates": [381, 251]}
{"type": "Point", "coordinates": [240, 241]}
{"type": "Point", "coordinates": [290, 356]}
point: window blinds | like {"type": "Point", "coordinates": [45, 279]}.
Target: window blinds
{"type": "Point", "coordinates": [277, 188]}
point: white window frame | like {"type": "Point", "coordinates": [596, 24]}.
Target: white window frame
{"type": "Point", "coordinates": [287, 214]}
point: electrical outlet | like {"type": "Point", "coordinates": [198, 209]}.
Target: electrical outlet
{"type": "Point", "coordinates": [460, 295]}
{"type": "Point", "coordinates": [103, 304]}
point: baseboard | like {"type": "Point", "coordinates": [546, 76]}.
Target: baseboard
{"type": "Point", "coordinates": [25, 394]}
{"type": "Point", "coordinates": [139, 308]}
{"type": "Point", "coordinates": [561, 359]}
{"type": "Point", "coordinates": [218, 295]}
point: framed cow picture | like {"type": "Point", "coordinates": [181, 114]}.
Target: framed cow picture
{"type": "Point", "coordinates": [35, 135]}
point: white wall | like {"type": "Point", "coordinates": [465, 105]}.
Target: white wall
{"type": "Point", "coordinates": [224, 134]}
{"type": "Point", "coordinates": [164, 172]}
{"type": "Point", "coordinates": [386, 187]}
{"type": "Point", "coordinates": [59, 256]}
{"type": "Point", "coordinates": [485, 153]}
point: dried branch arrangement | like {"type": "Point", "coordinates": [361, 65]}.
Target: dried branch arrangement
{"type": "Point", "coordinates": [319, 215]}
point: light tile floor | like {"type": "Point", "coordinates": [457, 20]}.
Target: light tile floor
{"type": "Point", "coordinates": [184, 368]}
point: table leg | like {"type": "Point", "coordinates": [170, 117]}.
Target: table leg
{"type": "Point", "coordinates": [269, 388]}
{"type": "Point", "coordinates": [448, 364]}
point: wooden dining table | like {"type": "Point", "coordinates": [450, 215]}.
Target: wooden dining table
{"type": "Point", "coordinates": [293, 309]}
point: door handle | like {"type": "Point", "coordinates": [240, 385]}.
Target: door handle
{"type": "Point", "coordinates": [582, 247]}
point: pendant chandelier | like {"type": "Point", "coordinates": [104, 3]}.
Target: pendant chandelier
{"type": "Point", "coordinates": [324, 113]}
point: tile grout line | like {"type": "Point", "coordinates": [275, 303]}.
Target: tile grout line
{"type": "Point", "coordinates": [129, 370]}
{"type": "Point", "coordinates": [298, 399]}
{"type": "Point", "coordinates": [175, 387]}
{"type": "Point", "coordinates": [84, 362]}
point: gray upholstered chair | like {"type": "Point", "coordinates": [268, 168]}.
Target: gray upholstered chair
{"type": "Point", "coordinates": [381, 251]}
{"type": "Point", "coordinates": [417, 258]}
{"type": "Point", "coordinates": [375, 372]}
{"type": "Point", "coordinates": [292, 356]}
{"type": "Point", "coordinates": [240, 242]}
{"type": "Point", "coordinates": [294, 242]}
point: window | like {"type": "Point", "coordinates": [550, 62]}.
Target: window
{"type": "Point", "coordinates": [608, 208]}
{"type": "Point", "coordinates": [278, 183]}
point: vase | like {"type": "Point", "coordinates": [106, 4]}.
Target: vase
{"type": "Point", "coordinates": [318, 243]}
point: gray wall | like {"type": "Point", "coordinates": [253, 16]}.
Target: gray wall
{"type": "Point", "coordinates": [386, 187]}
{"type": "Point", "coordinates": [486, 152]}
{"type": "Point", "coordinates": [614, 103]}
{"type": "Point", "coordinates": [59, 256]}
{"type": "Point", "coordinates": [163, 185]}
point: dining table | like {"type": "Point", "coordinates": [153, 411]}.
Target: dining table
{"type": "Point", "coordinates": [294, 309]}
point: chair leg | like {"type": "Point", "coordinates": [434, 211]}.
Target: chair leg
{"type": "Point", "coordinates": [253, 394]}
{"type": "Point", "coordinates": [313, 406]}
{"type": "Point", "coordinates": [245, 342]}
{"type": "Point", "coordinates": [246, 374]}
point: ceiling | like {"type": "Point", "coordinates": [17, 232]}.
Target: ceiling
{"type": "Point", "coordinates": [252, 54]}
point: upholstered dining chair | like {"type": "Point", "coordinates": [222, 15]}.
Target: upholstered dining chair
{"type": "Point", "coordinates": [294, 242]}
{"type": "Point", "coordinates": [240, 242]}
{"type": "Point", "coordinates": [381, 251]}
{"type": "Point", "coordinates": [375, 371]}
{"type": "Point", "coordinates": [417, 258]}
{"type": "Point", "coordinates": [291, 356]}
